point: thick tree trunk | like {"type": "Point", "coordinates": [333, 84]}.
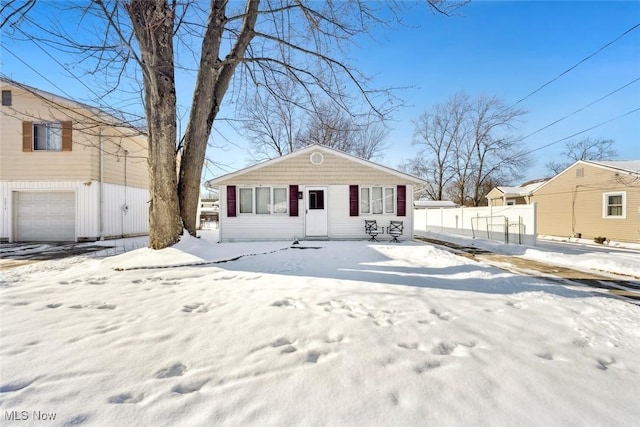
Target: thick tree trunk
{"type": "Point", "coordinates": [214, 76]}
{"type": "Point", "coordinates": [153, 26]}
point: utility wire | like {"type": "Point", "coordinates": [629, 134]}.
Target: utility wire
{"type": "Point", "coordinates": [37, 72]}
{"type": "Point", "coordinates": [581, 132]}
{"type": "Point", "coordinates": [580, 109]}
{"type": "Point", "coordinates": [580, 62]}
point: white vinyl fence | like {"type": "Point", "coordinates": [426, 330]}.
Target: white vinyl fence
{"type": "Point", "coordinates": [509, 224]}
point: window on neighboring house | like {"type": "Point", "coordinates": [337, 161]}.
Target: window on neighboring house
{"type": "Point", "coordinates": [47, 136]}
{"type": "Point", "coordinates": [263, 200]}
{"type": "Point", "coordinates": [377, 200]}
{"type": "Point", "coordinates": [6, 97]}
{"type": "Point", "coordinates": [511, 202]}
{"type": "Point", "coordinates": [614, 205]}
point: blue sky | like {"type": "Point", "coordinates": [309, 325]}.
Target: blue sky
{"type": "Point", "coordinates": [507, 49]}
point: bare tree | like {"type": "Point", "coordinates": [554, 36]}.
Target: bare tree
{"type": "Point", "coordinates": [369, 140]}
{"type": "Point", "coordinates": [247, 44]}
{"type": "Point", "coordinates": [273, 124]}
{"type": "Point", "coordinates": [329, 126]}
{"type": "Point", "coordinates": [583, 149]}
{"type": "Point", "coordinates": [466, 146]}
{"type": "Point", "coordinates": [496, 155]}
{"type": "Point", "coordinates": [438, 133]}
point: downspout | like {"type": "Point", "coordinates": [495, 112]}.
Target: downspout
{"type": "Point", "coordinates": [101, 191]}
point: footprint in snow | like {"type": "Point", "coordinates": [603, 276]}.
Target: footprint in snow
{"type": "Point", "coordinates": [175, 370]}
{"type": "Point", "coordinates": [56, 305]}
{"type": "Point", "coordinates": [288, 303]}
{"type": "Point", "coordinates": [444, 348]}
{"type": "Point", "coordinates": [125, 398]}
{"type": "Point", "coordinates": [286, 345]}
{"type": "Point", "coordinates": [334, 339]}
{"type": "Point", "coordinates": [313, 356]}
{"type": "Point", "coordinates": [439, 314]}
{"type": "Point", "coordinates": [198, 307]}
{"type": "Point", "coordinates": [408, 346]}
{"type": "Point", "coordinates": [603, 364]}
{"type": "Point", "coordinates": [426, 366]}
{"type": "Point", "coordinates": [188, 388]}
{"type": "Point", "coordinates": [545, 356]}
{"type": "Point", "coordinates": [16, 386]}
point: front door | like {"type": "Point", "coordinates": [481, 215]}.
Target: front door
{"type": "Point", "coordinates": [316, 211]}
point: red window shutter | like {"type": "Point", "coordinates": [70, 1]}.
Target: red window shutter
{"type": "Point", "coordinates": [231, 200]}
{"type": "Point", "coordinates": [67, 130]}
{"type": "Point", "coordinates": [293, 200]}
{"type": "Point", "coordinates": [402, 200]}
{"type": "Point", "coordinates": [353, 200]}
{"type": "Point", "coordinates": [27, 136]}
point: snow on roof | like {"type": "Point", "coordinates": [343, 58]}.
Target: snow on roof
{"type": "Point", "coordinates": [434, 204]}
{"type": "Point", "coordinates": [626, 165]}
{"type": "Point", "coordinates": [524, 190]}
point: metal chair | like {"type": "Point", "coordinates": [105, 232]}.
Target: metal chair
{"type": "Point", "coordinates": [395, 230]}
{"type": "Point", "coordinates": [371, 228]}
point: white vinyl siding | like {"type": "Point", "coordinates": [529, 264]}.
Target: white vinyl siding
{"type": "Point", "coordinates": [283, 227]}
{"type": "Point", "coordinates": [116, 222]}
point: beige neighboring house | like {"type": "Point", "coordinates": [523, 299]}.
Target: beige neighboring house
{"type": "Point", "coordinates": [591, 199]}
{"type": "Point", "coordinates": [68, 171]}
{"type": "Point", "coordinates": [508, 196]}
{"type": "Point", "coordinates": [313, 193]}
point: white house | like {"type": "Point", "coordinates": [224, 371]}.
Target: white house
{"type": "Point", "coordinates": [313, 193]}
{"type": "Point", "coordinates": [68, 171]}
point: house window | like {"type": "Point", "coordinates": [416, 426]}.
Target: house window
{"type": "Point", "coordinates": [246, 200]}
{"type": "Point", "coordinates": [280, 201]}
{"type": "Point", "coordinates": [6, 97]}
{"type": "Point", "coordinates": [377, 200]}
{"type": "Point", "coordinates": [614, 205]}
{"type": "Point", "coordinates": [316, 199]}
{"type": "Point", "coordinates": [47, 136]}
{"type": "Point", "coordinates": [511, 202]}
{"type": "Point", "coordinates": [263, 200]}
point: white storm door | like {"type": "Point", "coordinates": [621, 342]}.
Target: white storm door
{"type": "Point", "coordinates": [316, 211]}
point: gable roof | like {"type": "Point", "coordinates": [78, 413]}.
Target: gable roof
{"type": "Point", "coordinates": [632, 166]}
{"type": "Point", "coordinates": [523, 190]}
{"type": "Point", "coordinates": [628, 166]}
{"type": "Point", "coordinates": [309, 150]}
{"type": "Point", "coordinates": [63, 102]}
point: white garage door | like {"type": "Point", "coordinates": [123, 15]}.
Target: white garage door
{"type": "Point", "coordinates": [46, 217]}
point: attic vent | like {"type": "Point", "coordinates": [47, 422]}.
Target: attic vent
{"type": "Point", "coordinates": [316, 158]}
{"type": "Point", "coordinates": [579, 172]}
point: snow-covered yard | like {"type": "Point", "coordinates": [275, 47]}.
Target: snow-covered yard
{"type": "Point", "coordinates": [339, 333]}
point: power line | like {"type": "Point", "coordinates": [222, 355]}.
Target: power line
{"type": "Point", "coordinates": [580, 109]}
{"type": "Point", "coordinates": [581, 132]}
{"type": "Point", "coordinates": [580, 62]}
{"type": "Point", "coordinates": [37, 72]}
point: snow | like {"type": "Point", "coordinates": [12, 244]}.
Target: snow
{"type": "Point", "coordinates": [337, 333]}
